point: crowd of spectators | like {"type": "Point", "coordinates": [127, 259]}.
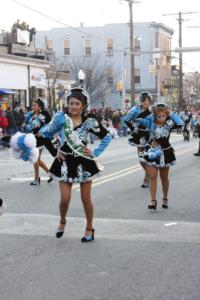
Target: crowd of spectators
{"type": "Point", "coordinates": [12, 121]}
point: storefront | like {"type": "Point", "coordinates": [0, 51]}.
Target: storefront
{"type": "Point", "coordinates": [12, 98]}
{"type": "Point", "coordinates": [21, 80]}
{"type": "Point", "coordinates": [6, 98]}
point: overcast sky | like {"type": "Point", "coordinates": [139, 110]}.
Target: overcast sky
{"type": "Point", "coordinates": [100, 12]}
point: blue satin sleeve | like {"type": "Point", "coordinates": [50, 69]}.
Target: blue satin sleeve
{"type": "Point", "coordinates": [28, 116]}
{"type": "Point", "coordinates": [132, 114]}
{"type": "Point", "coordinates": [146, 122]}
{"type": "Point", "coordinates": [177, 120]}
{"type": "Point", "coordinates": [102, 145]}
{"type": "Point", "coordinates": [53, 127]}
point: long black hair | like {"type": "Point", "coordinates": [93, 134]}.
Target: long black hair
{"type": "Point", "coordinates": [144, 96]}
{"type": "Point", "coordinates": [40, 103]}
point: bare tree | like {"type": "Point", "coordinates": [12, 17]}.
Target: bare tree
{"type": "Point", "coordinates": [96, 77]}
{"type": "Point", "coordinates": [52, 75]}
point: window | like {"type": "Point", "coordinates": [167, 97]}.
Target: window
{"type": "Point", "coordinates": [50, 45]}
{"type": "Point", "coordinates": [110, 76]}
{"type": "Point", "coordinates": [66, 47]}
{"type": "Point", "coordinates": [137, 45]}
{"type": "Point", "coordinates": [109, 46]}
{"type": "Point", "coordinates": [88, 50]}
{"type": "Point", "coordinates": [88, 74]}
{"type": "Point", "coordinates": [137, 75]}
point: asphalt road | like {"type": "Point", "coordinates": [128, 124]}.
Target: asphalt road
{"type": "Point", "coordinates": [137, 254]}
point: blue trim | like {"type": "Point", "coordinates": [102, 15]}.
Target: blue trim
{"type": "Point", "coordinates": [6, 92]}
{"type": "Point", "coordinates": [103, 145]}
{"type": "Point", "coordinates": [55, 126]}
{"type": "Point", "coordinates": [20, 142]}
{"type": "Point", "coordinates": [176, 119]}
{"type": "Point", "coordinates": [132, 114]}
{"type": "Point", "coordinates": [26, 154]}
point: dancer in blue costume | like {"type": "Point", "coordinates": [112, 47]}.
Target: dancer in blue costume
{"type": "Point", "coordinates": [158, 154]}
{"type": "Point", "coordinates": [35, 120]}
{"type": "Point", "coordinates": [75, 163]}
{"type": "Point", "coordinates": [139, 134]}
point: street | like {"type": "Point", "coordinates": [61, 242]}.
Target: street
{"type": "Point", "coordinates": [137, 254]}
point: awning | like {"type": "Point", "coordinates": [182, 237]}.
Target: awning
{"type": "Point", "coordinates": [6, 92]}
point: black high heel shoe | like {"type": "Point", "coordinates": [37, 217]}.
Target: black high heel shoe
{"type": "Point", "coordinates": [88, 238]}
{"type": "Point", "coordinates": [50, 179]}
{"type": "Point", "coordinates": [151, 206]}
{"type": "Point", "coordinates": [60, 232]}
{"type": "Point", "coordinates": [165, 203]}
{"type": "Point", "coordinates": [35, 182]}
{"type": "Point", "coordinates": [145, 184]}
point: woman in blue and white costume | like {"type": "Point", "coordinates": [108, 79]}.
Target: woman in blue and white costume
{"type": "Point", "coordinates": [75, 163]}
{"type": "Point", "coordinates": [35, 120]}
{"type": "Point", "coordinates": [158, 154]}
{"type": "Point", "coordinates": [139, 133]}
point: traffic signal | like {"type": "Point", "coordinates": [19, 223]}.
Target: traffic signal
{"type": "Point", "coordinates": [119, 86]}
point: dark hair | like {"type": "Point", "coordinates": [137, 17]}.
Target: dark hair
{"type": "Point", "coordinates": [40, 103]}
{"type": "Point", "coordinates": [144, 96]}
{"type": "Point", "coordinates": [159, 109]}
{"type": "Point", "coordinates": [80, 94]}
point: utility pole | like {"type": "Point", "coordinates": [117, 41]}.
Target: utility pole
{"type": "Point", "coordinates": [132, 50]}
{"type": "Point", "coordinates": [132, 58]}
{"type": "Point", "coordinates": [180, 62]}
{"type": "Point", "coordinates": [180, 22]}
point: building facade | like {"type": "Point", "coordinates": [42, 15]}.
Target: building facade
{"type": "Point", "coordinates": [25, 77]}
{"type": "Point", "coordinates": [191, 91]}
{"type": "Point", "coordinates": [109, 45]}
{"type": "Point", "coordinates": [27, 71]}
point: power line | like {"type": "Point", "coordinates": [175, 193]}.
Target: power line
{"type": "Point", "coordinates": [55, 20]}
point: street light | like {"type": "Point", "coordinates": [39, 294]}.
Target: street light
{"type": "Point", "coordinates": [157, 57]}
{"type": "Point", "coordinates": [81, 77]}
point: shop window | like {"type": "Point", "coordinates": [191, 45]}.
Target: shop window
{"type": "Point", "coordinates": [50, 45]}
{"type": "Point", "coordinates": [67, 47]}
{"type": "Point", "coordinates": [88, 48]}
{"type": "Point", "coordinates": [137, 76]}
{"type": "Point", "coordinates": [109, 47]}
{"type": "Point", "coordinates": [110, 76]}
{"type": "Point", "coordinates": [137, 45]}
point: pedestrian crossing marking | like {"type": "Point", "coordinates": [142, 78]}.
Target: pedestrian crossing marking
{"type": "Point", "coordinates": [111, 229]}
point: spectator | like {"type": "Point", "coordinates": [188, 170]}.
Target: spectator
{"type": "Point", "coordinates": [3, 121]}
{"type": "Point", "coordinates": [116, 121]}
{"type": "Point", "coordinates": [123, 126]}
{"type": "Point", "coordinates": [20, 119]}
{"type": "Point", "coordinates": [11, 122]}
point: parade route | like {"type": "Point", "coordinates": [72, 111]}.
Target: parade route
{"type": "Point", "coordinates": [137, 254]}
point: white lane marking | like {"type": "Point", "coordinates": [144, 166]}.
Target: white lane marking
{"type": "Point", "coordinates": [113, 178]}
{"type": "Point", "coordinates": [111, 229]}
{"type": "Point", "coordinates": [106, 178]}
{"type": "Point", "coordinates": [116, 173]}
{"type": "Point", "coordinates": [102, 180]}
{"type": "Point", "coordinates": [170, 224]}
{"type": "Point", "coordinates": [25, 179]}
{"type": "Point", "coordinates": [118, 176]}
{"type": "Point", "coordinates": [178, 153]}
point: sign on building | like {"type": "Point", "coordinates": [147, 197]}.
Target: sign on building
{"type": "Point", "coordinates": [23, 36]}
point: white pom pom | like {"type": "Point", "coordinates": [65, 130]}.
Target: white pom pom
{"type": "Point", "coordinates": [30, 140]}
{"type": "Point", "coordinates": [16, 153]}
{"type": "Point", "coordinates": [34, 155]}
{"type": "Point", "coordinates": [13, 141]}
